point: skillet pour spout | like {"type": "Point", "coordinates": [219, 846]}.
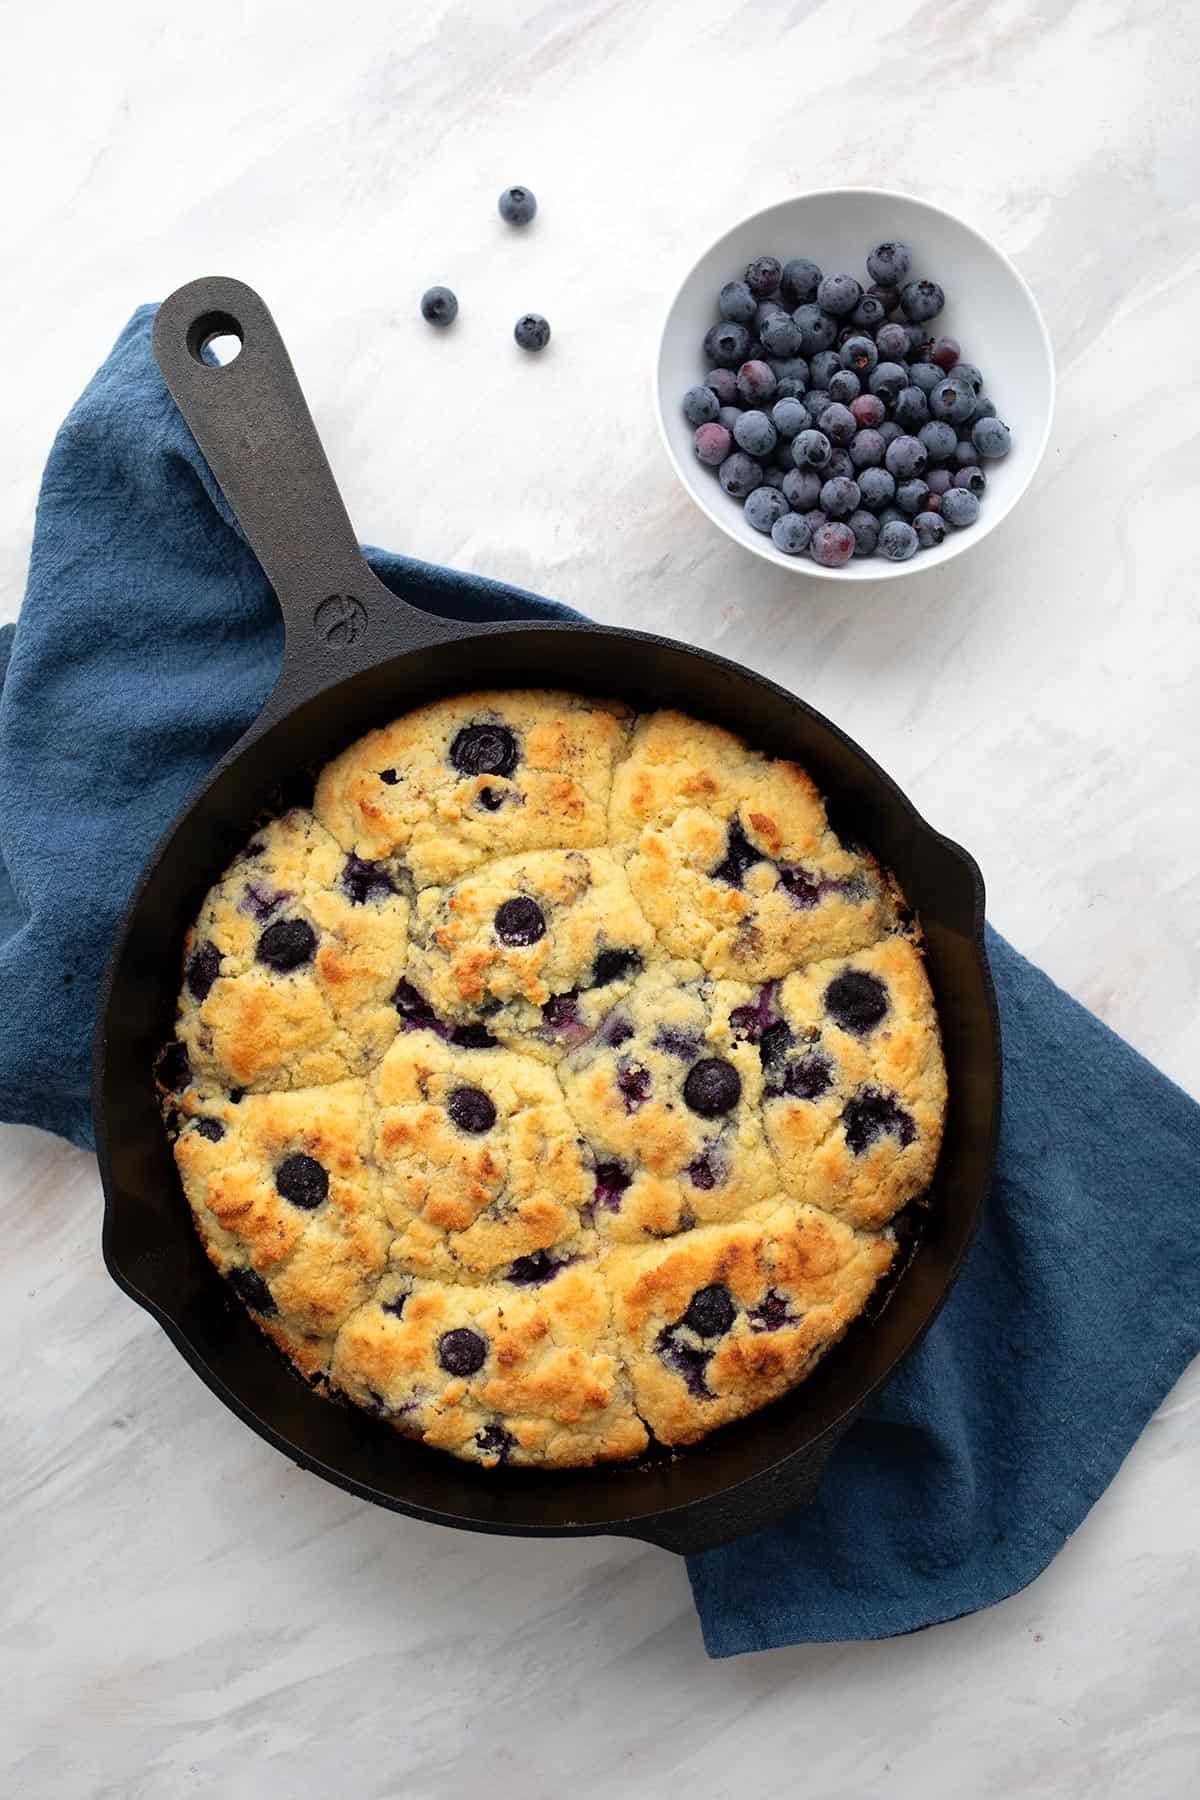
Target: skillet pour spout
{"type": "Point", "coordinates": [356, 655]}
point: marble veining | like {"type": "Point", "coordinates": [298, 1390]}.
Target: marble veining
{"type": "Point", "coordinates": [183, 1612]}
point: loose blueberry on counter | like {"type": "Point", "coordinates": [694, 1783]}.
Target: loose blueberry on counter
{"type": "Point", "coordinates": [780, 334]}
{"type": "Point", "coordinates": [930, 529]}
{"type": "Point", "coordinates": [755, 382]}
{"type": "Point", "coordinates": [889, 262]}
{"type": "Point", "coordinates": [897, 540]}
{"type": "Point", "coordinates": [740, 474]}
{"type": "Point", "coordinates": [700, 405]}
{"type": "Point", "coordinates": [971, 478]}
{"type": "Point", "coordinates": [362, 880]}
{"type": "Point", "coordinates": [202, 970]}
{"type": "Point", "coordinates": [869, 1114]}
{"type": "Point", "coordinates": [712, 444]}
{"type": "Point", "coordinates": [723, 383]}
{"type": "Point", "coordinates": [865, 527]}
{"type": "Point", "coordinates": [471, 1110]}
{"type": "Point", "coordinates": [252, 1290]}
{"type": "Point", "coordinates": [991, 436]}
{"type": "Point", "coordinates": [754, 433]}
{"type": "Point", "coordinates": [960, 508]}
{"type": "Point", "coordinates": [802, 489]}
{"type": "Point", "coordinates": [764, 508]}
{"type": "Point", "coordinates": [736, 303]}
{"type": "Point", "coordinates": [799, 280]}
{"type": "Point", "coordinates": [711, 1311]}
{"type": "Point", "coordinates": [519, 922]}
{"type": "Point", "coordinates": [839, 497]}
{"type": "Point", "coordinates": [856, 1000]}
{"type": "Point", "coordinates": [726, 344]}
{"type": "Point", "coordinates": [302, 1181]}
{"type": "Point", "coordinates": [461, 1352]}
{"type": "Point", "coordinates": [532, 332]}
{"type": "Point", "coordinates": [532, 1270]}
{"type": "Point", "coordinates": [952, 399]}
{"type": "Point", "coordinates": [439, 306]}
{"type": "Point", "coordinates": [791, 534]}
{"type": "Point", "coordinates": [762, 276]}
{"type": "Point", "coordinates": [713, 1087]}
{"type": "Point", "coordinates": [921, 301]}
{"type": "Point", "coordinates": [839, 295]}
{"type": "Point", "coordinates": [772, 1313]}
{"type": "Point", "coordinates": [517, 206]}
{"type": "Point", "coordinates": [287, 944]}
{"type": "Point", "coordinates": [212, 1129]}
{"type": "Point", "coordinates": [614, 965]}
{"type": "Point", "coordinates": [740, 855]}
{"type": "Point", "coordinates": [832, 545]}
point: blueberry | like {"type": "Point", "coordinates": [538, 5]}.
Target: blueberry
{"type": "Point", "coordinates": [984, 409]}
{"type": "Point", "coordinates": [811, 450]}
{"type": "Point", "coordinates": [944, 352]}
{"type": "Point", "coordinates": [560, 1013]}
{"type": "Point", "coordinates": [739, 475]}
{"type": "Point", "coordinates": [302, 1181]}
{"type": "Point", "coordinates": [212, 1129]}
{"type": "Point", "coordinates": [869, 314]}
{"type": "Point", "coordinates": [439, 306]}
{"type": "Point", "coordinates": [287, 944]}
{"type": "Point", "coordinates": [390, 777]}
{"type": "Point", "coordinates": [921, 301]}
{"type": "Point", "coordinates": [824, 366]}
{"type": "Point", "coordinates": [756, 383]}
{"type": "Point", "coordinates": [965, 454]}
{"type": "Point", "coordinates": [414, 1008]}
{"type": "Point", "coordinates": [484, 750]}
{"type": "Point", "coordinates": [933, 504]}
{"type": "Point", "coordinates": [361, 880]}
{"type": "Point", "coordinates": [789, 417]}
{"type": "Point", "coordinates": [532, 1270]}
{"type": "Point", "coordinates": [726, 344]}
{"type": "Point", "coordinates": [764, 310]}
{"type": "Point", "coordinates": [891, 341]}
{"type": "Point", "coordinates": [818, 329]}
{"type": "Point", "coordinates": [840, 464]}
{"type": "Point", "coordinates": [772, 1313]}
{"type": "Point", "coordinates": [859, 354]}
{"type": "Point", "coordinates": [755, 434]}
{"type": "Point", "coordinates": [991, 437]}
{"type": "Point", "coordinates": [869, 1114]}
{"type": "Point", "coordinates": [723, 383]}
{"type": "Point", "coordinates": [780, 334]}
{"type": "Point", "coordinates": [832, 545]}
{"type": "Point", "coordinates": [791, 534]}
{"type": "Point", "coordinates": [839, 497]}
{"type": "Point", "coordinates": [532, 332]}
{"type": "Point", "coordinates": [930, 530]}
{"type": "Point", "coordinates": [690, 1365]}
{"type": "Point", "coordinates": [952, 399]}
{"type": "Point", "coordinates": [971, 478]}
{"type": "Point", "coordinates": [865, 527]}
{"type": "Point", "coordinates": [869, 410]}
{"type": "Point", "coordinates": [203, 967]}
{"type": "Point", "coordinates": [816, 400]}
{"type": "Point", "coordinates": [395, 1306]}
{"type": "Point", "coordinates": [252, 1290]}
{"type": "Point", "coordinates": [887, 294]}
{"type": "Point", "coordinates": [729, 416]}
{"type": "Point", "coordinates": [924, 375]}
{"type": "Point", "coordinates": [710, 1312]}
{"type": "Point", "coordinates": [838, 424]}
{"type": "Point", "coordinates": [814, 519]}
{"type": "Point", "coordinates": [887, 380]}
{"type": "Point", "coordinates": [839, 295]}
{"type": "Point", "coordinates": [712, 444]}
{"type": "Point", "coordinates": [960, 508]}
{"type": "Point", "coordinates": [889, 262]}
{"type": "Point", "coordinates": [876, 488]}
{"type": "Point", "coordinates": [897, 540]}
{"type": "Point", "coordinates": [939, 479]}
{"type": "Point", "coordinates": [911, 409]}
{"type": "Point", "coordinates": [611, 1182]}
{"type": "Point", "coordinates": [740, 855]}
{"type": "Point", "coordinates": [519, 922]}
{"type": "Point", "coordinates": [790, 368]}
{"type": "Point", "coordinates": [736, 303]}
{"type": "Point", "coordinates": [911, 496]}
{"type": "Point", "coordinates": [762, 276]}
{"type": "Point", "coordinates": [700, 406]}
{"type": "Point", "coordinates": [799, 280]}
{"type": "Point", "coordinates": [517, 206]}
{"type": "Point", "coordinates": [888, 515]}
{"type": "Point", "coordinates": [781, 462]}
{"type": "Point", "coordinates": [461, 1352]}
{"type": "Point", "coordinates": [713, 1087]}
{"type": "Point", "coordinates": [939, 439]}
{"type": "Point", "coordinates": [905, 457]}
{"type": "Point", "coordinates": [261, 901]}
{"type": "Point", "coordinates": [965, 371]}
{"type": "Point", "coordinates": [807, 1077]}
{"type": "Point", "coordinates": [756, 351]}
{"type": "Point", "coordinates": [866, 449]}
{"type": "Point", "coordinates": [802, 489]}
{"type": "Point", "coordinates": [844, 386]}
{"type": "Point", "coordinates": [634, 1084]}
{"type": "Point", "coordinates": [493, 1440]}
{"type": "Point", "coordinates": [489, 799]}
{"type": "Point", "coordinates": [774, 477]}
{"type": "Point", "coordinates": [764, 507]}
{"type": "Point", "coordinates": [856, 1000]}
{"type": "Point", "coordinates": [471, 1110]}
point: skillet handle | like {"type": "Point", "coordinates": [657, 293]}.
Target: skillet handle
{"type": "Point", "coordinates": [253, 425]}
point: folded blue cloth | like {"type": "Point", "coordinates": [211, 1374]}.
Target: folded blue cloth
{"type": "Point", "coordinates": [147, 640]}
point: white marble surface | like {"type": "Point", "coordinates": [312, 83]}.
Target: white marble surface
{"type": "Point", "coordinates": [182, 1612]}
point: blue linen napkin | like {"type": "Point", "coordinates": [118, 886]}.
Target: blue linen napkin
{"type": "Point", "coordinates": [147, 640]}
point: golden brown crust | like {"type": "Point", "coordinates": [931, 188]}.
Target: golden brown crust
{"type": "Point", "coordinates": [534, 1186]}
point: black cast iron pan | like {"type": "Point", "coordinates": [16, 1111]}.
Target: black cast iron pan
{"type": "Point", "coordinates": [356, 656]}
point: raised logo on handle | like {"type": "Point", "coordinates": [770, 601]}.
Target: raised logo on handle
{"type": "Point", "coordinates": [339, 620]}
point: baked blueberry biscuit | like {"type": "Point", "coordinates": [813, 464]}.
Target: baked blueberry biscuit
{"type": "Point", "coordinates": [550, 1088]}
{"type": "Point", "coordinates": [457, 783]}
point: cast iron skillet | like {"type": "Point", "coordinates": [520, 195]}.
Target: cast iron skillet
{"type": "Point", "coordinates": [356, 656]}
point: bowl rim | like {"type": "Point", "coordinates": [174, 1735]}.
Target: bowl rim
{"type": "Point", "coordinates": [960, 541]}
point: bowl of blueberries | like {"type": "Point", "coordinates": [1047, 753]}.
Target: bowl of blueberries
{"type": "Point", "coordinates": [855, 383]}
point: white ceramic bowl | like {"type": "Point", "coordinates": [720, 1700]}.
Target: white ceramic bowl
{"type": "Point", "coordinates": [989, 309]}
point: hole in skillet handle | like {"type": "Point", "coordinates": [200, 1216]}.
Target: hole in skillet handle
{"type": "Point", "coordinates": [215, 339]}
